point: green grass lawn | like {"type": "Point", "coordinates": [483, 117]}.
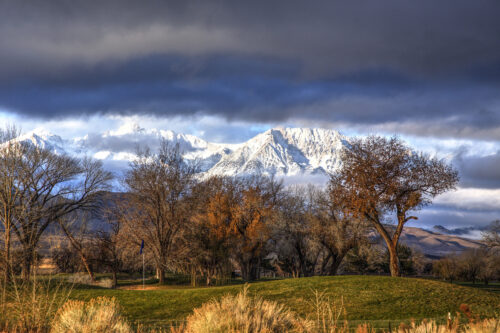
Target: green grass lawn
{"type": "Point", "coordinates": [375, 299]}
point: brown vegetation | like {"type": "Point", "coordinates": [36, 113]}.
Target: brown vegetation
{"type": "Point", "coordinates": [382, 176]}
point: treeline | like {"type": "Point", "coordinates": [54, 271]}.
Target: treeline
{"type": "Point", "coordinates": [211, 228]}
{"type": "Point", "coordinates": [472, 265]}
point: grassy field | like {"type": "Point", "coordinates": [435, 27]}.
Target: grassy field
{"type": "Point", "coordinates": [379, 300]}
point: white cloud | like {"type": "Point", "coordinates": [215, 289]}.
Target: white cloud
{"type": "Point", "coordinates": [471, 199]}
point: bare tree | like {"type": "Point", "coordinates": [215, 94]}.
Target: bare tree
{"type": "Point", "coordinates": [298, 251]}
{"type": "Point", "coordinates": [446, 268]}
{"type": "Point", "coordinates": [11, 154]}
{"type": "Point", "coordinates": [491, 237]}
{"type": "Point", "coordinates": [159, 186]}
{"type": "Point", "coordinates": [489, 265]}
{"type": "Point", "coordinates": [110, 243]}
{"type": "Point", "coordinates": [52, 187]}
{"type": "Point", "coordinates": [469, 266]}
{"type": "Point", "coordinates": [74, 227]}
{"type": "Point", "coordinates": [383, 178]}
{"type": "Point", "coordinates": [336, 226]}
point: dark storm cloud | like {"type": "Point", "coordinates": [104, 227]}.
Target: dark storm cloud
{"type": "Point", "coordinates": [479, 171]}
{"type": "Point", "coordinates": [424, 62]}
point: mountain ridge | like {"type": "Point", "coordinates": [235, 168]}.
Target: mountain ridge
{"type": "Point", "coordinates": [278, 151]}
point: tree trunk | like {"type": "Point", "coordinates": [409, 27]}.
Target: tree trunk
{"type": "Point", "coordinates": [324, 263]}
{"type": "Point", "coordinates": [87, 266]}
{"type": "Point", "coordinates": [7, 273]}
{"type": "Point", "coordinates": [78, 246]}
{"type": "Point", "coordinates": [336, 261]}
{"type": "Point", "coordinates": [254, 273]}
{"type": "Point", "coordinates": [161, 276]}
{"type": "Point", "coordinates": [393, 260]}
{"type": "Point", "coordinates": [245, 271]}
{"type": "Point", "coordinates": [250, 269]}
{"type": "Point", "coordinates": [26, 266]}
{"type": "Point", "coordinates": [115, 279]}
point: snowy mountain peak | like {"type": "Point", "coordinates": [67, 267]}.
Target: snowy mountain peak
{"type": "Point", "coordinates": [278, 151]}
{"type": "Point", "coordinates": [45, 140]}
{"type": "Point", "coordinates": [284, 152]}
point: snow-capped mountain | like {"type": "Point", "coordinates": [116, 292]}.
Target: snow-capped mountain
{"type": "Point", "coordinates": [284, 152]}
{"type": "Point", "coordinates": [278, 151]}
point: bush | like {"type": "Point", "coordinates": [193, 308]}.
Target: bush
{"type": "Point", "coordinates": [242, 313]}
{"type": "Point", "coordinates": [98, 315]}
{"type": "Point", "coordinates": [80, 278]}
{"type": "Point", "coordinates": [29, 306]}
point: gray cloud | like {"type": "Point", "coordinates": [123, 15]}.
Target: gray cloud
{"type": "Point", "coordinates": [450, 218]}
{"type": "Point", "coordinates": [479, 171]}
{"type": "Point", "coordinates": [425, 36]}
{"type": "Point", "coordinates": [426, 67]}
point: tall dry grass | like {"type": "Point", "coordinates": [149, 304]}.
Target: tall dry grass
{"type": "Point", "coordinates": [98, 315]}
{"type": "Point", "coordinates": [29, 306]}
{"type": "Point", "coordinates": [244, 314]}
{"type": "Point", "coordinates": [485, 326]}
{"type": "Point", "coordinates": [329, 316]}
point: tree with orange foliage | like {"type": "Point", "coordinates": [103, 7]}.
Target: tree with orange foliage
{"type": "Point", "coordinates": [383, 177]}
{"type": "Point", "coordinates": [209, 235]}
{"type": "Point", "coordinates": [257, 199]}
{"type": "Point", "coordinates": [232, 221]}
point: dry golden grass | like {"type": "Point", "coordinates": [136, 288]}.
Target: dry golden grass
{"type": "Point", "coordinates": [98, 315]}
{"type": "Point", "coordinates": [485, 326]}
{"type": "Point", "coordinates": [29, 306]}
{"type": "Point", "coordinates": [244, 314]}
{"type": "Point", "coordinates": [328, 316]}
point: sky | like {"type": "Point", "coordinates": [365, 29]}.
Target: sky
{"type": "Point", "coordinates": [428, 71]}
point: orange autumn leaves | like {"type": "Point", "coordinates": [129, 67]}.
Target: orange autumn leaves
{"type": "Point", "coordinates": [238, 211]}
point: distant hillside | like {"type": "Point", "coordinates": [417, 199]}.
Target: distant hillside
{"type": "Point", "coordinates": [436, 244]}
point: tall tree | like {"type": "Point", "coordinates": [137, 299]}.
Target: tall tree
{"type": "Point", "coordinates": [51, 188]}
{"type": "Point", "coordinates": [11, 154]}
{"type": "Point", "coordinates": [109, 241]}
{"type": "Point", "coordinates": [336, 227]}
{"type": "Point", "coordinates": [209, 234]}
{"type": "Point", "coordinates": [75, 228]}
{"type": "Point", "coordinates": [293, 233]}
{"type": "Point", "coordinates": [491, 237]}
{"type": "Point", "coordinates": [160, 186]}
{"type": "Point", "coordinates": [251, 219]}
{"type": "Point", "coordinates": [385, 178]}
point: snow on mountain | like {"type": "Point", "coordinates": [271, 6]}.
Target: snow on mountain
{"type": "Point", "coordinates": [279, 151]}
{"type": "Point", "coordinates": [284, 152]}
{"type": "Point", "coordinates": [45, 140]}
